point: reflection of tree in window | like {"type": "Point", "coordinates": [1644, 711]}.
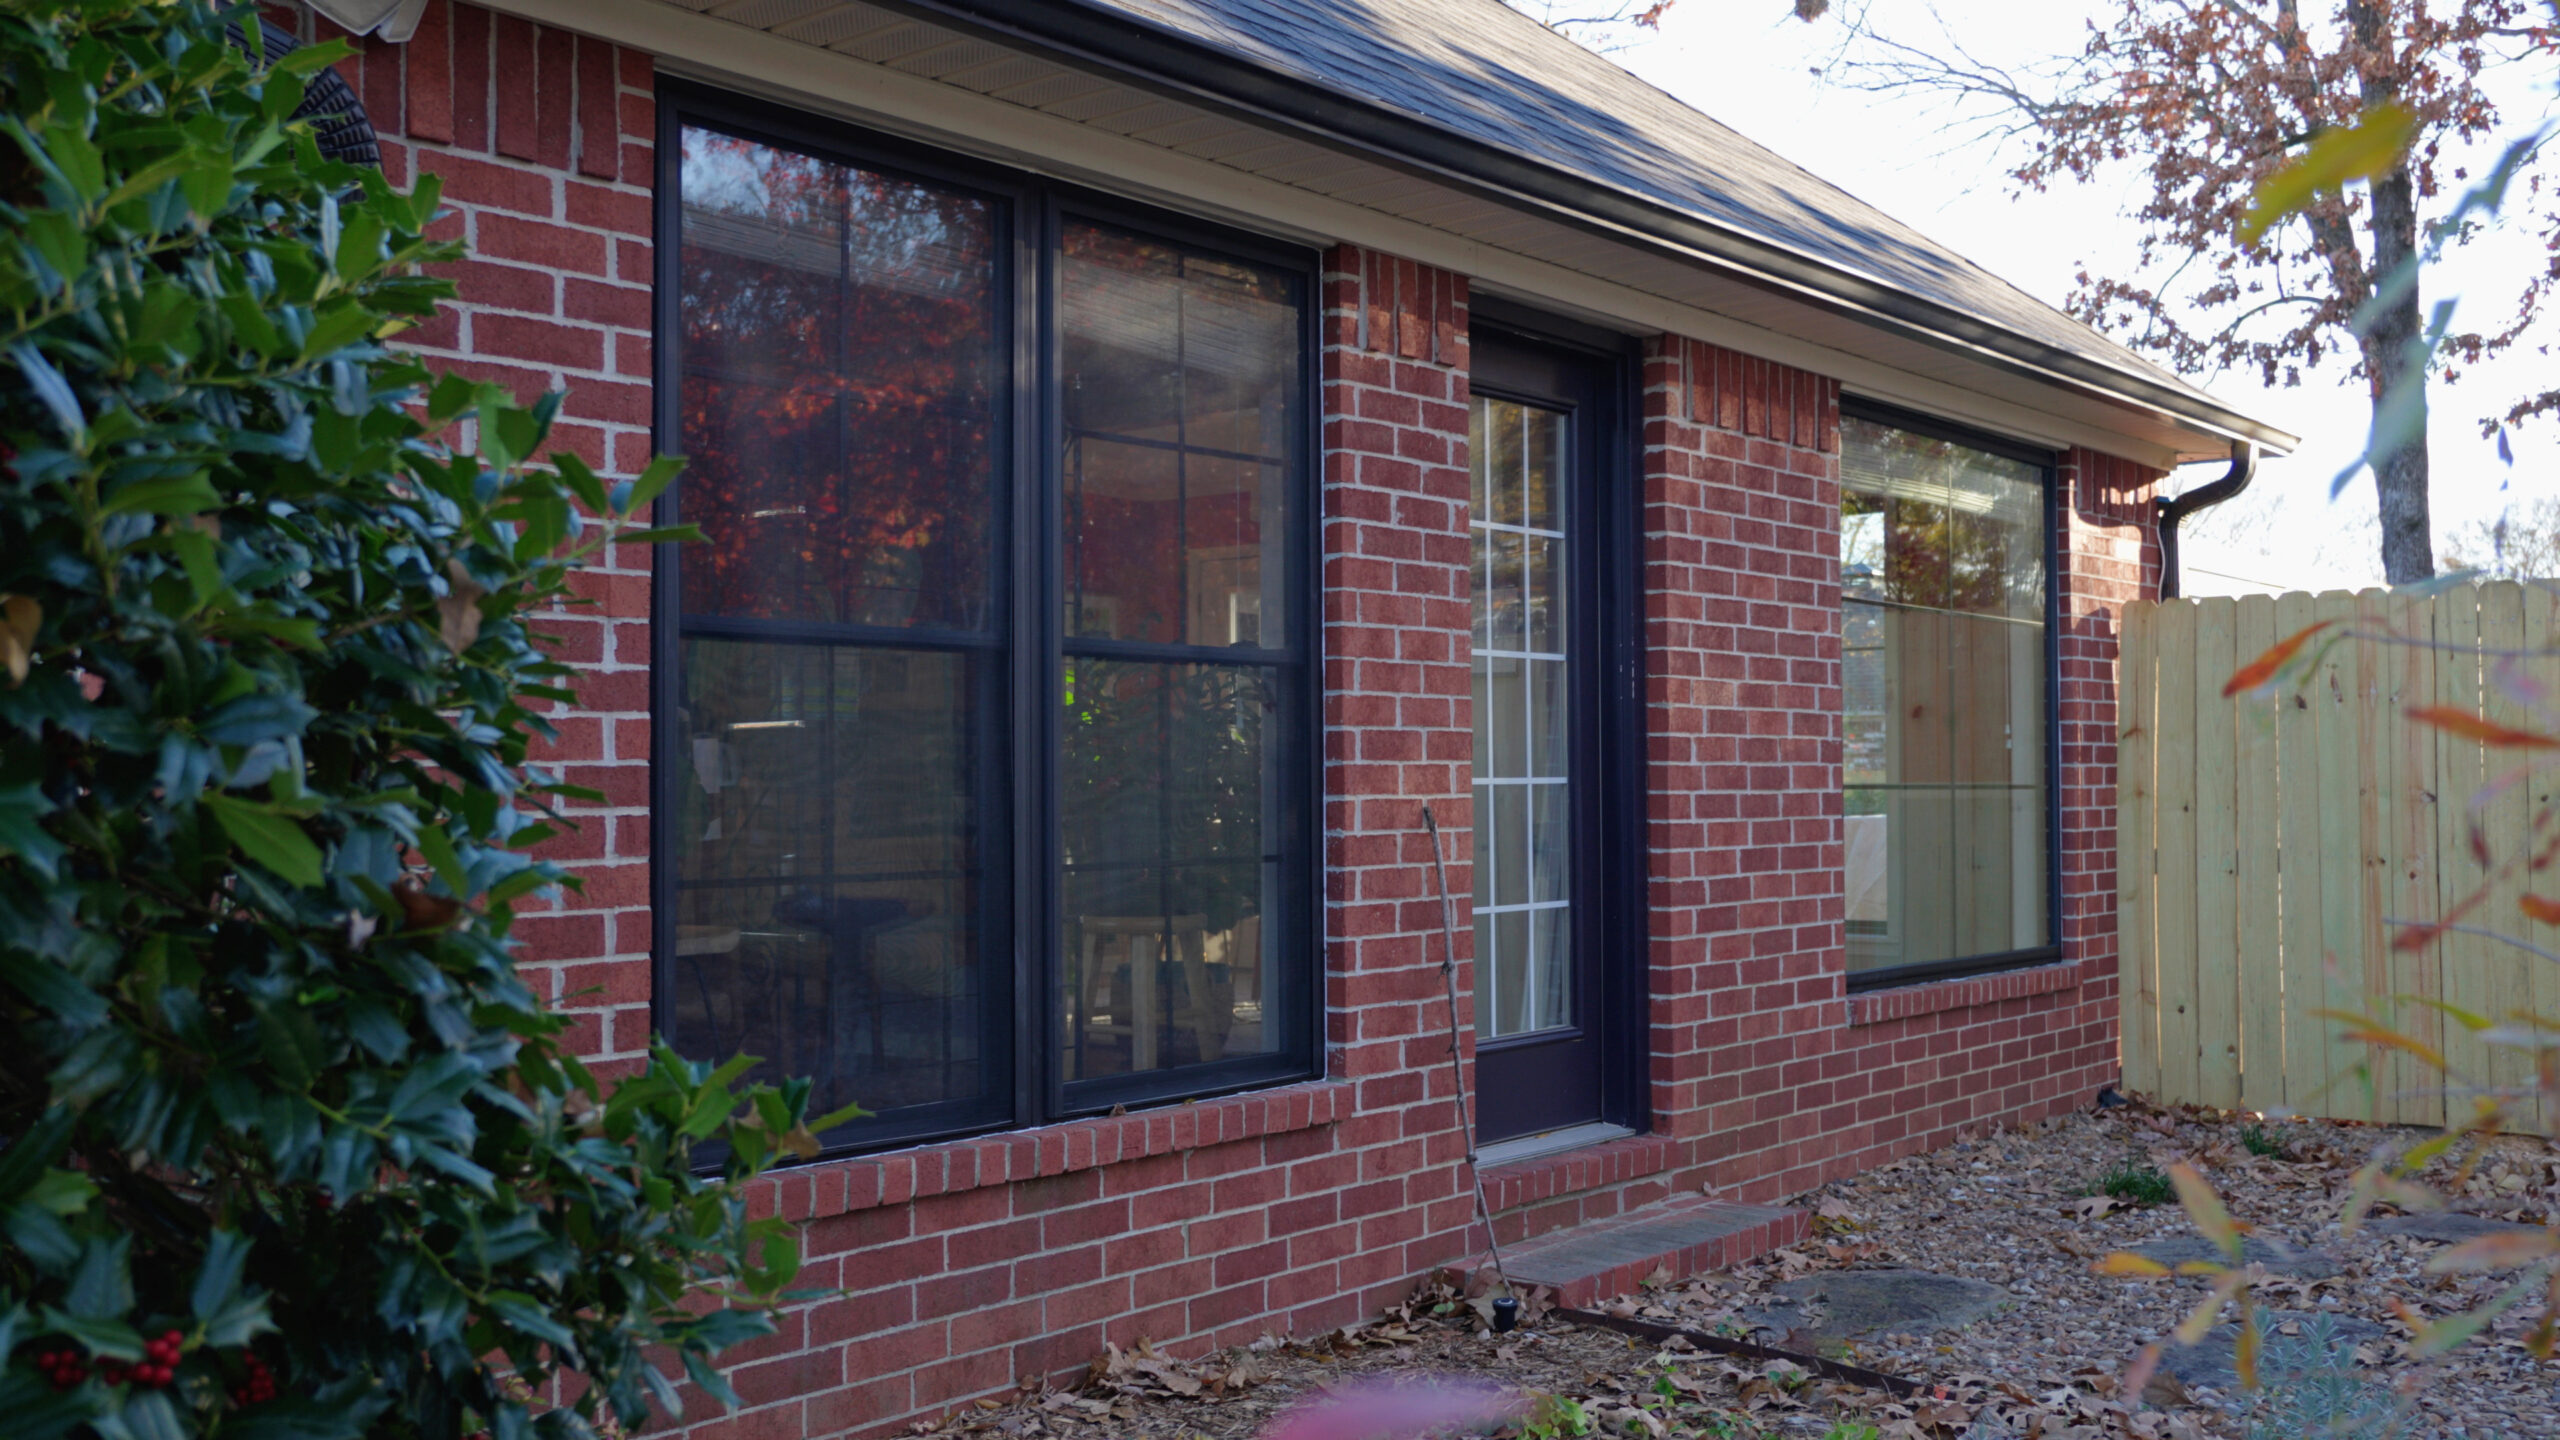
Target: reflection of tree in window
{"type": "Point", "coordinates": [840, 402]}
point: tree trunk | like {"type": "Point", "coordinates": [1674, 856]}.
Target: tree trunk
{"type": "Point", "coordinates": [2399, 460]}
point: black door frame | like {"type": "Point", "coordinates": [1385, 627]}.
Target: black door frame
{"type": "Point", "coordinates": [1519, 354]}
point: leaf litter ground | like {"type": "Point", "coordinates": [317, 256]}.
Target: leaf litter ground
{"type": "Point", "coordinates": [2011, 1208]}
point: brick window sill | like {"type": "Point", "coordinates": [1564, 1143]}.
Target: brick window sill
{"type": "Point", "coordinates": [1570, 1172]}
{"type": "Point", "coordinates": [1875, 1007]}
{"type": "Point", "coordinates": [864, 1182]}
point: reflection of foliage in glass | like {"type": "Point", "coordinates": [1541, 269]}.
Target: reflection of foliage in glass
{"type": "Point", "coordinates": [1163, 765]}
{"type": "Point", "coordinates": [841, 334]}
{"type": "Point", "coordinates": [1961, 529]}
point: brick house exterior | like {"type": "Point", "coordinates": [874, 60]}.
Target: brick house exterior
{"type": "Point", "coordinates": [972, 1263]}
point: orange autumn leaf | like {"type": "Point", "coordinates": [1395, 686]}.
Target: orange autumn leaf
{"type": "Point", "coordinates": [2394, 1040]}
{"type": "Point", "coordinates": [2460, 722]}
{"type": "Point", "coordinates": [2256, 672]}
{"type": "Point", "coordinates": [2536, 907]}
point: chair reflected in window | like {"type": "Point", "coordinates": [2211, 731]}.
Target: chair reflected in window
{"type": "Point", "coordinates": [1154, 990]}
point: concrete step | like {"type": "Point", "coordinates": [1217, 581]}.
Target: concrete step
{"type": "Point", "coordinates": [1683, 1236]}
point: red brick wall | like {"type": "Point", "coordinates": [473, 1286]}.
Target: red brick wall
{"type": "Point", "coordinates": [976, 1263]}
{"type": "Point", "coordinates": [1742, 651]}
{"type": "Point", "coordinates": [547, 165]}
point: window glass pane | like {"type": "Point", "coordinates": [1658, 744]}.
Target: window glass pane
{"type": "Point", "coordinates": [1180, 387]}
{"type": "Point", "coordinates": [828, 871]}
{"type": "Point", "coordinates": [1524, 840]}
{"type": "Point", "coordinates": [844, 376]}
{"type": "Point", "coordinates": [1167, 788]}
{"type": "Point", "coordinates": [1943, 650]}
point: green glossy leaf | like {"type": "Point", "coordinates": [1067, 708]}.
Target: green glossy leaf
{"type": "Point", "coordinates": [52, 391]}
{"type": "Point", "coordinates": [271, 839]}
{"type": "Point", "coordinates": [163, 495]}
{"type": "Point", "coordinates": [152, 1415]}
{"type": "Point", "coordinates": [22, 832]}
{"type": "Point", "coordinates": [102, 1289]}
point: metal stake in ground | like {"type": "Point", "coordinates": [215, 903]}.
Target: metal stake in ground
{"type": "Point", "coordinates": [1457, 1068]}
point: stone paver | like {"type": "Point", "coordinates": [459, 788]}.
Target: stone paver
{"type": "Point", "coordinates": [1845, 1304]}
{"type": "Point", "coordinates": [2449, 1227]}
{"type": "Point", "coordinates": [2279, 1257]}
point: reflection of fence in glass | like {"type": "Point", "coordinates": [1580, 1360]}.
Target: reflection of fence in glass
{"type": "Point", "coordinates": [1943, 678]}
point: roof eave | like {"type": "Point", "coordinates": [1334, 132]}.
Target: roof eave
{"type": "Point", "coordinates": [1179, 66]}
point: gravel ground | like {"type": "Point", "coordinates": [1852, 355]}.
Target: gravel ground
{"type": "Point", "coordinates": [2011, 1209]}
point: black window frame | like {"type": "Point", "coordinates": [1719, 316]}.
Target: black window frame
{"type": "Point", "coordinates": [1027, 1086]}
{"type": "Point", "coordinates": [2048, 464]}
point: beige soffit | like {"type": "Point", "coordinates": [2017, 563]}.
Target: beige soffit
{"type": "Point", "coordinates": [910, 76]}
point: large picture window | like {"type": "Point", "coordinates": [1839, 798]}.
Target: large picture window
{"type": "Point", "coordinates": [1946, 661]}
{"type": "Point", "coordinates": [981, 707]}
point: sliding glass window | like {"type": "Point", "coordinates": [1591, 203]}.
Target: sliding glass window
{"type": "Point", "coordinates": [981, 788]}
{"type": "Point", "coordinates": [1946, 663]}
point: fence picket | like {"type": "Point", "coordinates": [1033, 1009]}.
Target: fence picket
{"type": "Point", "coordinates": [2137, 958]}
{"type": "Point", "coordinates": [2174, 913]}
{"type": "Point", "coordinates": [2302, 952]}
{"type": "Point", "coordinates": [2417, 971]}
{"type": "Point", "coordinates": [2541, 635]}
{"type": "Point", "coordinates": [2217, 860]}
{"type": "Point", "coordinates": [2505, 820]}
{"type": "Point", "coordinates": [2345, 778]}
{"type": "Point", "coordinates": [2463, 962]}
{"type": "Point", "coordinates": [2258, 991]}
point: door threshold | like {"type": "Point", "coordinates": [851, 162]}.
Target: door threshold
{"type": "Point", "coordinates": [1549, 1142]}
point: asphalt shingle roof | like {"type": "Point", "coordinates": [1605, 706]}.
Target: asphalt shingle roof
{"type": "Point", "coordinates": [1482, 72]}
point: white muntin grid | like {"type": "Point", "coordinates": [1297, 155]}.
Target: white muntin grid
{"type": "Point", "coordinates": [1523, 784]}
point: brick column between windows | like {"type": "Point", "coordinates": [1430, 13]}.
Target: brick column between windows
{"type": "Point", "coordinates": [1398, 732]}
{"type": "Point", "coordinates": [1742, 655]}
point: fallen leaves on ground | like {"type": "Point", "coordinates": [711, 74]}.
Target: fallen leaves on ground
{"type": "Point", "coordinates": [2008, 1208]}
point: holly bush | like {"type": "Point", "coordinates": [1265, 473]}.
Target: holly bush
{"type": "Point", "coordinates": [291, 1151]}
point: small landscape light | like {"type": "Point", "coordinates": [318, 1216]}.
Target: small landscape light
{"type": "Point", "coordinates": [1506, 1314]}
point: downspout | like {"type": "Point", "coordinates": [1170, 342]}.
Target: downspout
{"type": "Point", "coordinates": [2244, 468]}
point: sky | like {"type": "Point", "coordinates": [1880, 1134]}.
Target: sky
{"type": "Point", "coordinates": [1748, 63]}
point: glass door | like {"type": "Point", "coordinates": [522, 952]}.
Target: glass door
{"type": "Point", "coordinates": [1549, 671]}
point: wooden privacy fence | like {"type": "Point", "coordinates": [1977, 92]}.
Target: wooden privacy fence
{"type": "Point", "coordinates": [2267, 842]}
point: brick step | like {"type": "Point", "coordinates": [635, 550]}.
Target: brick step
{"type": "Point", "coordinates": [1685, 1235]}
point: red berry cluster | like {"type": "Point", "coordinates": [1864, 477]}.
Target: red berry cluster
{"type": "Point", "coordinates": [62, 1367]}
{"type": "Point", "coordinates": [158, 1366]}
{"type": "Point", "coordinates": [259, 1387]}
